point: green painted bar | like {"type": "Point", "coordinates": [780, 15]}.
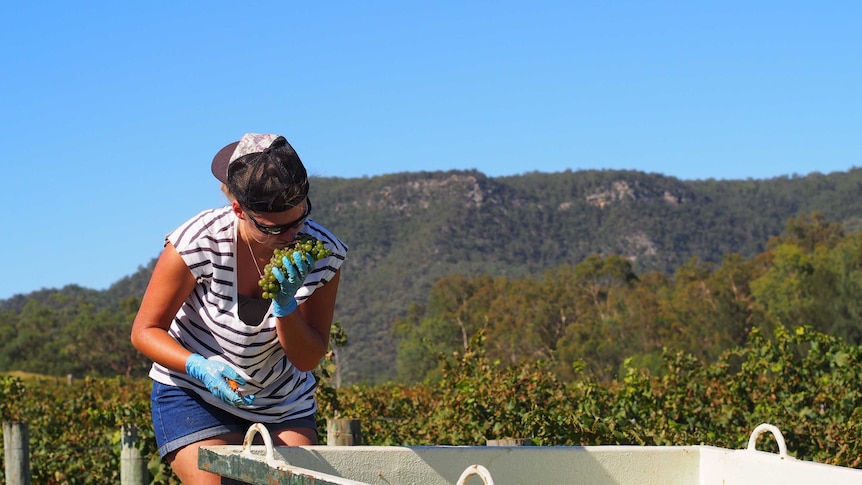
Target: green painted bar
{"type": "Point", "coordinates": [259, 471]}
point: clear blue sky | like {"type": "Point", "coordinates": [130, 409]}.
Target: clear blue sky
{"type": "Point", "coordinates": [112, 110]}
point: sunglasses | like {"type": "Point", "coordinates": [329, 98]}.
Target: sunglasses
{"type": "Point", "coordinates": [275, 230]}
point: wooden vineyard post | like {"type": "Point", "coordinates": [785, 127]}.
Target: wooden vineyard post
{"type": "Point", "coordinates": [16, 443]}
{"type": "Point", "coordinates": [510, 442]}
{"type": "Point", "coordinates": [343, 432]}
{"type": "Point", "coordinates": [133, 468]}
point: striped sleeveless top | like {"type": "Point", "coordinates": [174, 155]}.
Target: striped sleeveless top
{"type": "Point", "coordinates": [208, 322]}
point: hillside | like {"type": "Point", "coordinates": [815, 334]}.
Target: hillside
{"type": "Point", "coordinates": [408, 230]}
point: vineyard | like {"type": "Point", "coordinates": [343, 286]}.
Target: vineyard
{"type": "Point", "coordinates": [800, 380]}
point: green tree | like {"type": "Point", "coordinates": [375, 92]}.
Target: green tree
{"type": "Point", "coordinates": [814, 280]}
{"type": "Point", "coordinates": [600, 329]}
{"type": "Point", "coordinates": [457, 308]}
{"type": "Point", "coordinates": [112, 353]}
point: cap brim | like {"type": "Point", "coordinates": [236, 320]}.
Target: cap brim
{"type": "Point", "coordinates": [222, 160]}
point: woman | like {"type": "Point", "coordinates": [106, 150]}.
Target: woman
{"type": "Point", "coordinates": [207, 328]}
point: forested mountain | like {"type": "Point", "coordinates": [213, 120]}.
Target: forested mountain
{"type": "Point", "coordinates": [407, 231]}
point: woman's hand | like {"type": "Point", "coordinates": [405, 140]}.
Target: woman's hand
{"type": "Point", "coordinates": [284, 303]}
{"type": "Point", "coordinates": [215, 376]}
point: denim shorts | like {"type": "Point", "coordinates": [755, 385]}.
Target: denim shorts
{"type": "Point", "coordinates": [181, 417]}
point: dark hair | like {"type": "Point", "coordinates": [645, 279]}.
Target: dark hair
{"type": "Point", "coordinates": [274, 180]}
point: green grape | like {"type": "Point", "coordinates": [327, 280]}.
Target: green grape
{"type": "Point", "coordinates": [305, 244]}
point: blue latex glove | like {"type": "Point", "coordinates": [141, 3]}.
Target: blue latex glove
{"type": "Point", "coordinates": [284, 302]}
{"type": "Point", "coordinates": [214, 374]}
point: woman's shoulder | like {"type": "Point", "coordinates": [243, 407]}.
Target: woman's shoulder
{"type": "Point", "coordinates": [329, 239]}
{"type": "Point", "coordinates": [208, 226]}
{"type": "Point", "coordinates": [326, 268]}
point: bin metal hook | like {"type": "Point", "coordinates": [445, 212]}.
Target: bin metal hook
{"type": "Point", "coordinates": [267, 441]}
{"type": "Point", "coordinates": [760, 429]}
{"type": "Point", "coordinates": [478, 470]}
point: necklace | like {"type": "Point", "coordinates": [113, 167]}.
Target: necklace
{"type": "Point", "coordinates": [254, 258]}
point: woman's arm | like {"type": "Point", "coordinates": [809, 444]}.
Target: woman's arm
{"type": "Point", "coordinates": [171, 283]}
{"type": "Point", "coordinates": [304, 334]}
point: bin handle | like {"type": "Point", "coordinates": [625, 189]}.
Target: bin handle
{"type": "Point", "coordinates": [267, 441]}
{"type": "Point", "coordinates": [760, 429]}
{"type": "Point", "coordinates": [478, 470]}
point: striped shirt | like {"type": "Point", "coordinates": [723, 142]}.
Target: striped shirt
{"type": "Point", "coordinates": [208, 322]}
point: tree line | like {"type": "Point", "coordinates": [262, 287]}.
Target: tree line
{"type": "Point", "coordinates": [597, 314]}
{"type": "Point", "coordinates": [408, 231]}
{"type": "Point", "coordinates": [600, 314]}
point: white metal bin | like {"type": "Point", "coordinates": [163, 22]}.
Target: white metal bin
{"type": "Point", "coordinates": [518, 465]}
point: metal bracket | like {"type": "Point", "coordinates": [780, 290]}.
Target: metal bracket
{"type": "Point", "coordinates": [760, 429]}
{"type": "Point", "coordinates": [267, 441]}
{"type": "Point", "coordinates": [477, 470]}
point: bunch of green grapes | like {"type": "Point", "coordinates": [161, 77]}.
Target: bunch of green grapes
{"type": "Point", "coordinates": [305, 244]}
